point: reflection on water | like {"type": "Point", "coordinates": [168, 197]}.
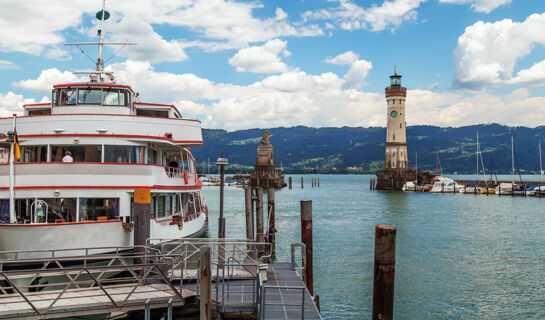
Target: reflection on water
{"type": "Point", "coordinates": [458, 256]}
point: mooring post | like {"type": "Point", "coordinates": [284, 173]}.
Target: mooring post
{"type": "Point", "coordinates": [370, 183]}
{"type": "Point", "coordinates": [205, 284]}
{"type": "Point", "coordinates": [272, 227]}
{"type": "Point", "coordinates": [222, 162]}
{"type": "Point", "coordinates": [249, 216]}
{"type": "Point", "coordinates": [141, 216]}
{"type": "Point", "coordinates": [302, 183]}
{"type": "Point", "coordinates": [306, 238]}
{"type": "Point", "coordinates": [318, 182]}
{"type": "Point", "coordinates": [383, 283]}
{"type": "Point", "coordinates": [260, 235]}
{"type": "Point", "coordinates": [289, 182]}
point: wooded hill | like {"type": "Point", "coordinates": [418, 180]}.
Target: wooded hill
{"type": "Point", "coordinates": [303, 149]}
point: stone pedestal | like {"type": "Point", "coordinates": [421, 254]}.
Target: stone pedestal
{"type": "Point", "coordinates": [265, 174]}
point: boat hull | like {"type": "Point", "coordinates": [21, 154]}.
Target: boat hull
{"type": "Point", "coordinates": [105, 236]}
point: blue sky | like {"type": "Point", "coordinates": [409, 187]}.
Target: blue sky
{"type": "Point", "coordinates": [240, 64]}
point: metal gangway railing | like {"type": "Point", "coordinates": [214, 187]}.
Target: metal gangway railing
{"type": "Point", "coordinates": [54, 284]}
{"type": "Point", "coordinates": [79, 281]}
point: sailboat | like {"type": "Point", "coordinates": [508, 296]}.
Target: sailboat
{"type": "Point", "coordinates": [537, 190]}
{"type": "Point", "coordinates": [486, 189]}
{"type": "Point", "coordinates": [506, 188]}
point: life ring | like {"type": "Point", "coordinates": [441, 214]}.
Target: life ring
{"type": "Point", "coordinates": [180, 222]}
{"type": "Point", "coordinates": [128, 226]}
{"type": "Point", "coordinates": [185, 177]}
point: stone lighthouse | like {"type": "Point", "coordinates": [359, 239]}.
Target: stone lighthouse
{"type": "Point", "coordinates": [396, 138]}
{"type": "Point", "coordinates": [396, 165]}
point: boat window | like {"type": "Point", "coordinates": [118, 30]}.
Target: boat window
{"type": "Point", "coordinates": [124, 154]}
{"type": "Point", "coordinates": [98, 209]}
{"type": "Point", "coordinates": [152, 113]}
{"type": "Point", "coordinates": [39, 111]}
{"type": "Point", "coordinates": [68, 97]}
{"type": "Point", "coordinates": [89, 96]}
{"type": "Point", "coordinates": [114, 97]}
{"type": "Point", "coordinates": [160, 203]}
{"type": "Point", "coordinates": [33, 154]}
{"type": "Point", "coordinates": [176, 204]}
{"type": "Point", "coordinates": [152, 156]}
{"type": "Point", "coordinates": [4, 155]}
{"type": "Point", "coordinates": [78, 153]}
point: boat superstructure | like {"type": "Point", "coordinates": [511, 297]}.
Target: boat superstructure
{"type": "Point", "coordinates": [81, 158]}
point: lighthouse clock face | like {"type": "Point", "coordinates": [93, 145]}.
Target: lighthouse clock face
{"type": "Point", "coordinates": [393, 114]}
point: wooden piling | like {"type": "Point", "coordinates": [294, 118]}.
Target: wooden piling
{"type": "Point", "coordinates": [302, 183]}
{"type": "Point", "coordinates": [205, 284]}
{"type": "Point", "coordinates": [289, 182]}
{"type": "Point", "coordinates": [370, 183]}
{"type": "Point", "coordinates": [260, 235]}
{"type": "Point", "coordinates": [249, 214]}
{"type": "Point", "coordinates": [306, 238]}
{"type": "Point", "coordinates": [384, 276]}
{"type": "Point", "coordinates": [318, 182]}
{"type": "Point", "coordinates": [141, 215]}
{"type": "Point", "coordinates": [271, 218]}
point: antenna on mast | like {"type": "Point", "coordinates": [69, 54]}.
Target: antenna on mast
{"type": "Point", "coordinates": [102, 15]}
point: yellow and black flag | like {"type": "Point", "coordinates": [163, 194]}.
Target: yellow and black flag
{"type": "Point", "coordinates": [16, 148]}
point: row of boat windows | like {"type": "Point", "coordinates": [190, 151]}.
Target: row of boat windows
{"type": "Point", "coordinates": [164, 205]}
{"type": "Point", "coordinates": [105, 97]}
{"type": "Point", "coordinates": [54, 210]}
{"type": "Point", "coordinates": [96, 153]}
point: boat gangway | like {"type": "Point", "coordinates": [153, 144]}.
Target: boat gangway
{"type": "Point", "coordinates": [162, 275]}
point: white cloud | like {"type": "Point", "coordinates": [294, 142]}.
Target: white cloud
{"type": "Point", "coordinates": [31, 27]}
{"type": "Point", "coordinates": [262, 59]}
{"type": "Point", "coordinates": [347, 58]}
{"type": "Point", "coordinates": [57, 54]}
{"type": "Point", "coordinates": [46, 80]}
{"type": "Point", "coordinates": [485, 6]}
{"type": "Point", "coordinates": [350, 16]}
{"type": "Point", "coordinates": [487, 53]}
{"type": "Point", "coordinates": [28, 26]}
{"type": "Point", "coordinates": [4, 64]}
{"type": "Point", "coordinates": [11, 103]}
{"type": "Point", "coordinates": [359, 69]}
{"type": "Point", "coordinates": [150, 45]}
{"type": "Point", "coordinates": [298, 98]}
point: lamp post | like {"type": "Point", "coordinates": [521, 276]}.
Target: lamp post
{"type": "Point", "coordinates": [222, 162]}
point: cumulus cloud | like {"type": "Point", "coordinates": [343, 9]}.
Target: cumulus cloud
{"type": "Point", "coordinates": [359, 69]}
{"type": "Point", "coordinates": [487, 53]}
{"type": "Point", "coordinates": [350, 16]}
{"type": "Point", "coordinates": [11, 103]}
{"type": "Point", "coordinates": [262, 59]}
{"type": "Point", "coordinates": [46, 80]}
{"type": "Point", "coordinates": [485, 6]}
{"type": "Point", "coordinates": [31, 27]}
{"type": "Point", "coordinates": [298, 98]}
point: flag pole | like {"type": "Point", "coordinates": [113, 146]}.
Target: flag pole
{"type": "Point", "coordinates": [12, 215]}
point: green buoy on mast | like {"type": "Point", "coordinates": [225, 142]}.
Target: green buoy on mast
{"type": "Point", "coordinates": [106, 15]}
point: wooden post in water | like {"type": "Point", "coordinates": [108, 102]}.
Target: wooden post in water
{"type": "Point", "coordinates": [141, 216]}
{"type": "Point", "coordinates": [383, 283]}
{"type": "Point", "coordinates": [302, 183]}
{"type": "Point", "coordinates": [306, 238]}
{"type": "Point", "coordinates": [260, 235]}
{"type": "Point", "coordinates": [205, 284]}
{"type": "Point", "coordinates": [318, 182]}
{"type": "Point", "coordinates": [370, 183]}
{"type": "Point", "coordinates": [289, 182]}
{"type": "Point", "coordinates": [272, 227]}
{"type": "Point", "coordinates": [249, 214]}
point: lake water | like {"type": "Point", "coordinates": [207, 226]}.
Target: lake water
{"type": "Point", "coordinates": [457, 256]}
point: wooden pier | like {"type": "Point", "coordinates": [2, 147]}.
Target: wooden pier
{"type": "Point", "coordinates": [163, 274]}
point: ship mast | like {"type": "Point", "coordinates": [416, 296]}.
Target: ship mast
{"type": "Point", "coordinates": [100, 62]}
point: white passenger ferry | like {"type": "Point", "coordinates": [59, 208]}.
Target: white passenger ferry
{"type": "Point", "coordinates": [82, 157]}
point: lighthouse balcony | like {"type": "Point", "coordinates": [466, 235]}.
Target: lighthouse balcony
{"type": "Point", "coordinates": [396, 90]}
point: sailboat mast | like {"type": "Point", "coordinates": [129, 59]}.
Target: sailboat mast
{"type": "Point", "coordinates": [416, 166]}
{"type": "Point", "coordinates": [540, 163]}
{"type": "Point", "coordinates": [513, 159]}
{"type": "Point", "coordinates": [477, 159]}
